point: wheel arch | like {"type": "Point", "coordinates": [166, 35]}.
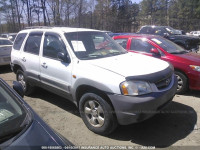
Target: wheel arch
{"type": "Point", "coordinates": [188, 81]}
{"type": "Point", "coordinates": [16, 67]}
{"type": "Point", "coordinates": [82, 89]}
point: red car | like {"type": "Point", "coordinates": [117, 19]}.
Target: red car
{"type": "Point", "coordinates": [186, 64]}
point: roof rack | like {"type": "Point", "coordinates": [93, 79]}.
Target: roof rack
{"type": "Point", "coordinates": [38, 27]}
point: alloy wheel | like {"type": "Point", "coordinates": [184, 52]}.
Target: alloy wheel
{"type": "Point", "coordinates": [21, 80]}
{"type": "Point", "coordinates": [180, 82]}
{"type": "Point", "coordinates": [94, 113]}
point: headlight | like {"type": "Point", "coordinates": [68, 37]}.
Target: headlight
{"type": "Point", "coordinates": [196, 68]}
{"type": "Point", "coordinates": [135, 88]}
{"type": "Point", "coordinates": [171, 66]}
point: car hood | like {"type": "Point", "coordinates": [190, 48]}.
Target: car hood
{"type": "Point", "coordinates": [193, 39]}
{"type": "Point", "coordinates": [191, 58]}
{"type": "Point", "coordinates": [130, 64]}
{"type": "Point", "coordinates": [30, 138]}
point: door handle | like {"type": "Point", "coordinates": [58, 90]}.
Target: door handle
{"type": "Point", "coordinates": [24, 59]}
{"type": "Point", "coordinates": [44, 65]}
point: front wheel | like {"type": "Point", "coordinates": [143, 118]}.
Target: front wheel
{"type": "Point", "coordinates": [97, 114]}
{"type": "Point", "coordinates": [182, 83]}
{"type": "Point", "coordinates": [28, 89]}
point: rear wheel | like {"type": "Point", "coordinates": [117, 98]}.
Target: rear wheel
{"type": "Point", "coordinates": [182, 83]}
{"type": "Point", "coordinates": [97, 114]}
{"type": "Point", "coordinates": [28, 89]}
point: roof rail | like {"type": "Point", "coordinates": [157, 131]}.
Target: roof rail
{"type": "Point", "coordinates": [38, 27]}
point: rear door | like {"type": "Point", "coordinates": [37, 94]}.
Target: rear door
{"type": "Point", "coordinates": [55, 74]}
{"type": "Point", "coordinates": [29, 57]}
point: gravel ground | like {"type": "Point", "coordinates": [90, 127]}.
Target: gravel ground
{"type": "Point", "coordinates": [177, 127]}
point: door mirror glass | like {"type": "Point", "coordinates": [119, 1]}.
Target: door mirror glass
{"type": "Point", "coordinates": [63, 57]}
{"type": "Point", "coordinates": [17, 86]}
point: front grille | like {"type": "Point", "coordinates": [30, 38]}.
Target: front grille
{"type": "Point", "coordinates": [164, 83]}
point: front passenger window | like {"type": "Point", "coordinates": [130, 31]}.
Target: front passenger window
{"type": "Point", "coordinates": [122, 42]}
{"type": "Point", "coordinates": [52, 46]}
{"type": "Point", "coordinates": [141, 45]}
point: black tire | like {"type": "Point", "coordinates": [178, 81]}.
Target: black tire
{"type": "Point", "coordinates": [28, 89]}
{"type": "Point", "coordinates": [182, 83]}
{"type": "Point", "coordinates": [110, 121]}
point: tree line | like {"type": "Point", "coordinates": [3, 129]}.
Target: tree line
{"type": "Point", "coordinates": [110, 15]}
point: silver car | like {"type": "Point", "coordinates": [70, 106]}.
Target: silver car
{"type": "Point", "coordinates": [5, 50]}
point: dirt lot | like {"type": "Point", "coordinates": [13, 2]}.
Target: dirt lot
{"type": "Point", "coordinates": [177, 127]}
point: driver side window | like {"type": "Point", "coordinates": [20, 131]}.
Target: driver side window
{"type": "Point", "coordinates": [52, 46]}
{"type": "Point", "coordinates": [140, 45]}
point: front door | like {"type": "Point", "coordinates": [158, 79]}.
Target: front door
{"type": "Point", "coordinates": [54, 73]}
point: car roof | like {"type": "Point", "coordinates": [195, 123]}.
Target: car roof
{"type": "Point", "coordinates": [154, 26]}
{"type": "Point", "coordinates": [148, 36]}
{"type": "Point", "coordinates": [56, 29]}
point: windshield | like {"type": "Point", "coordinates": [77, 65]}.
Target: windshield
{"type": "Point", "coordinates": [168, 46]}
{"type": "Point", "coordinates": [93, 45]}
{"type": "Point", "coordinates": [12, 114]}
{"type": "Point", "coordinates": [170, 30]}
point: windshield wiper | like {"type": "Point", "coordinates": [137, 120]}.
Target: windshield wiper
{"type": "Point", "coordinates": [117, 53]}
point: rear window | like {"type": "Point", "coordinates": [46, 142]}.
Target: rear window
{"type": "Point", "coordinates": [19, 40]}
{"type": "Point", "coordinates": [5, 42]}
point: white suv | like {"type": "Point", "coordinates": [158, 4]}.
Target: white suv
{"type": "Point", "coordinates": [109, 85]}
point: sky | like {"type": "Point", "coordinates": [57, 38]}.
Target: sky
{"type": "Point", "coordinates": [136, 1]}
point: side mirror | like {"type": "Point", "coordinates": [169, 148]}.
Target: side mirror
{"type": "Point", "coordinates": [63, 57]}
{"type": "Point", "coordinates": [166, 35]}
{"type": "Point", "coordinates": [155, 52]}
{"type": "Point", "coordinates": [17, 86]}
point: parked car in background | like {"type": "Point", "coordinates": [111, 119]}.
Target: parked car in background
{"type": "Point", "coordinates": [88, 68]}
{"type": "Point", "coordinates": [116, 34]}
{"type": "Point", "coordinates": [10, 36]}
{"type": "Point", "coordinates": [21, 128]}
{"type": "Point", "coordinates": [107, 32]}
{"type": "Point", "coordinates": [5, 51]}
{"type": "Point", "coordinates": [187, 42]}
{"type": "Point", "coordinates": [196, 33]}
{"type": "Point", "coordinates": [186, 64]}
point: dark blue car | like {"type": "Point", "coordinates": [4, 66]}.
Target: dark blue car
{"type": "Point", "coordinates": [20, 127]}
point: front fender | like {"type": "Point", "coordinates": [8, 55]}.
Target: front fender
{"type": "Point", "coordinates": [87, 82]}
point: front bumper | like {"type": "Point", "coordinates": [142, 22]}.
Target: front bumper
{"type": "Point", "coordinates": [131, 109]}
{"type": "Point", "coordinates": [195, 49]}
{"type": "Point", "coordinates": [194, 80]}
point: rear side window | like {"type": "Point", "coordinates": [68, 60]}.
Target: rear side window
{"type": "Point", "coordinates": [33, 43]}
{"type": "Point", "coordinates": [19, 40]}
{"type": "Point", "coordinates": [122, 42]}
